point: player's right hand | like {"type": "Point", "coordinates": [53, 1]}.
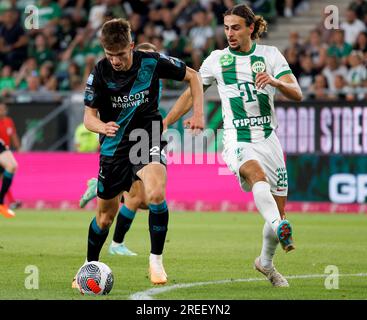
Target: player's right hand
{"type": "Point", "coordinates": [111, 128]}
{"type": "Point", "coordinates": [195, 123]}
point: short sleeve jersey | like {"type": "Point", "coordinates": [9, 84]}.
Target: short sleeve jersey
{"type": "Point", "coordinates": [248, 114]}
{"type": "Point", "coordinates": [7, 129]}
{"type": "Point", "coordinates": [130, 98]}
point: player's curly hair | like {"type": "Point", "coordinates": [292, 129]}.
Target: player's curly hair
{"type": "Point", "coordinates": [116, 34]}
{"type": "Point", "coordinates": [245, 12]}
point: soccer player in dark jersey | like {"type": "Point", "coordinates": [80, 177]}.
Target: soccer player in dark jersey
{"type": "Point", "coordinates": [9, 166]}
{"type": "Point", "coordinates": [124, 90]}
{"type": "Point", "coordinates": [133, 199]}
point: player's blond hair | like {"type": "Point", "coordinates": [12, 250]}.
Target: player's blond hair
{"type": "Point", "coordinates": [245, 12]}
{"type": "Point", "coordinates": [116, 34]}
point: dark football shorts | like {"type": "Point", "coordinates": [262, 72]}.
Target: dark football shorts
{"type": "Point", "coordinates": [117, 173]}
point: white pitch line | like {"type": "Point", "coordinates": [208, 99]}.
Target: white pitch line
{"type": "Point", "coordinates": [148, 294]}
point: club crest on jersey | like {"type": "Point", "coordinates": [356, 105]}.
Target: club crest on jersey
{"type": "Point", "coordinates": [258, 66]}
{"type": "Point", "coordinates": [144, 75]}
{"type": "Point", "coordinates": [226, 60]}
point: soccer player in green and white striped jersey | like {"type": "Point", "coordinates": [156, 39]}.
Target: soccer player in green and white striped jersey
{"type": "Point", "coordinates": [247, 75]}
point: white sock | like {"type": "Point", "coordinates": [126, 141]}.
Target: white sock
{"type": "Point", "coordinates": [115, 244]}
{"type": "Point", "coordinates": [155, 258]}
{"type": "Point", "coordinates": [266, 204]}
{"type": "Point", "coordinates": [270, 243]}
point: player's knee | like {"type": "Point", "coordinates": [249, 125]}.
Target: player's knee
{"type": "Point", "coordinates": [252, 174]}
{"type": "Point", "coordinates": [134, 202]}
{"type": "Point", "coordinates": [156, 195]}
{"type": "Point", "coordinates": [104, 221]}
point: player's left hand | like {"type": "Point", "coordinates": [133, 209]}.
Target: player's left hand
{"type": "Point", "coordinates": [195, 123]}
{"type": "Point", "coordinates": [263, 78]}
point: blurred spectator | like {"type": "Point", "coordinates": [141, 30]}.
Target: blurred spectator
{"type": "Point", "coordinates": [7, 81]}
{"type": "Point", "coordinates": [169, 31]}
{"type": "Point", "coordinates": [361, 42]}
{"type": "Point", "coordinates": [218, 7]}
{"type": "Point", "coordinates": [360, 7]}
{"type": "Point", "coordinates": [150, 30]}
{"type": "Point", "coordinates": [85, 140]}
{"type": "Point", "coordinates": [156, 8]}
{"type": "Point", "coordinates": [65, 32]}
{"type": "Point", "coordinates": [185, 10]}
{"type": "Point", "coordinates": [51, 86]}
{"type": "Point", "coordinates": [201, 39]}
{"type": "Point", "coordinates": [340, 91]}
{"type": "Point", "coordinates": [267, 8]}
{"type": "Point", "coordinates": [136, 25]}
{"type": "Point", "coordinates": [8, 132]}
{"type": "Point", "coordinates": [13, 41]}
{"type": "Point", "coordinates": [339, 47]}
{"type": "Point", "coordinates": [140, 6]}
{"type": "Point", "coordinates": [294, 42]}
{"type": "Point", "coordinates": [289, 8]}
{"type": "Point", "coordinates": [333, 69]}
{"type": "Point", "coordinates": [4, 6]}
{"type": "Point", "coordinates": [51, 38]}
{"type": "Point", "coordinates": [291, 56]}
{"type": "Point", "coordinates": [352, 27]}
{"type": "Point", "coordinates": [316, 49]}
{"type": "Point", "coordinates": [157, 41]}
{"type": "Point", "coordinates": [74, 5]}
{"type": "Point", "coordinates": [118, 8]}
{"type": "Point", "coordinates": [78, 49]}
{"type": "Point", "coordinates": [79, 18]}
{"type": "Point", "coordinates": [41, 51]}
{"type": "Point", "coordinates": [96, 14]}
{"type": "Point", "coordinates": [71, 79]}
{"type": "Point", "coordinates": [357, 73]}
{"type": "Point", "coordinates": [28, 68]}
{"type": "Point", "coordinates": [319, 89]}
{"type": "Point", "coordinates": [33, 83]}
{"type": "Point", "coordinates": [307, 73]}
{"type": "Point", "coordinates": [49, 13]}
{"type": "Point", "coordinates": [46, 73]}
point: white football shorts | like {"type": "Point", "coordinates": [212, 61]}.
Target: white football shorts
{"type": "Point", "coordinates": [268, 153]}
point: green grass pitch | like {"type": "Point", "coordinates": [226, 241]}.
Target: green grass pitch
{"type": "Point", "coordinates": [200, 247]}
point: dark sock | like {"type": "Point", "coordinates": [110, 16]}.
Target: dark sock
{"type": "Point", "coordinates": [158, 222]}
{"type": "Point", "coordinates": [7, 180]}
{"type": "Point", "coordinates": [96, 239]}
{"type": "Point", "coordinates": [124, 220]}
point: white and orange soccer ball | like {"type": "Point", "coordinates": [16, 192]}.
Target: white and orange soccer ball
{"type": "Point", "coordinates": [95, 278]}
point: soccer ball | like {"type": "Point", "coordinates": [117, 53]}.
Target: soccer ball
{"type": "Point", "coordinates": [95, 278]}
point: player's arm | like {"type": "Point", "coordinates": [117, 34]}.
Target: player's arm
{"type": "Point", "coordinates": [197, 96]}
{"type": "Point", "coordinates": [93, 123]}
{"type": "Point", "coordinates": [182, 106]}
{"type": "Point", "coordinates": [286, 84]}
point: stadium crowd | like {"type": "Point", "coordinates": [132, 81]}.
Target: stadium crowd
{"type": "Point", "coordinates": [61, 52]}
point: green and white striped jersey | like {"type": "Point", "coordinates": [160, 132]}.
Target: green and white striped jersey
{"type": "Point", "coordinates": [248, 114]}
